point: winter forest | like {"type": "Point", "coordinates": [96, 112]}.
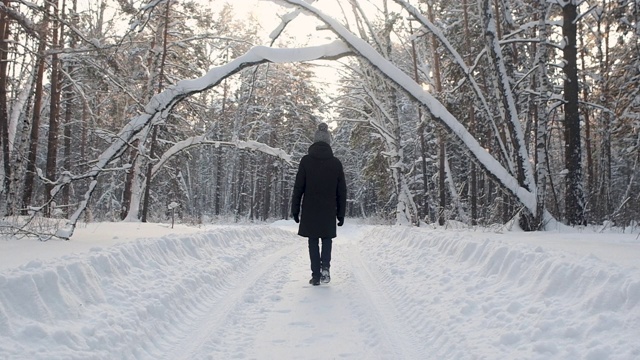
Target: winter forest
{"type": "Point", "coordinates": [475, 111]}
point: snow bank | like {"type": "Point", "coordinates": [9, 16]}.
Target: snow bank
{"type": "Point", "coordinates": [113, 303]}
{"type": "Point", "coordinates": [241, 291]}
{"type": "Point", "coordinates": [490, 296]}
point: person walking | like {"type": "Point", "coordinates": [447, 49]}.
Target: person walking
{"type": "Point", "coordinates": [320, 190]}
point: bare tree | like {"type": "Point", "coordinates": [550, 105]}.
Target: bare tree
{"type": "Point", "coordinates": [574, 201]}
{"type": "Point", "coordinates": [29, 180]}
{"type": "Point", "coordinates": [54, 112]}
{"type": "Point", "coordinates": [4, 116]}
{"type": "Point", "coordinates": [152, 146]}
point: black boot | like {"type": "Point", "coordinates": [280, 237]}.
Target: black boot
{"type": "Point", "coordinates": [326, 276]}
{"type": "Point", "coordinates": [314, 281]}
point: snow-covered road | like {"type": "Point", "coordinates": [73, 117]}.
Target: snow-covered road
{"type": "Point", "coordinates": [242, 292]}
{"type": "Point", "coordinates": [271, 312]}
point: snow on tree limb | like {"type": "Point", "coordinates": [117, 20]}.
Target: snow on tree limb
{"type": "Point", "coordinates": [511, 113]}
{"type": "Point", "coordinates": [27, 25]}
{"type": "Point", "coordinates": [458, 60]}
{"type": "Point", "coordinates": [201, 140]}
{"type": "Point", "coordinates": [161, 104]}
{"type": "Point", "coordinates": [437, 110]}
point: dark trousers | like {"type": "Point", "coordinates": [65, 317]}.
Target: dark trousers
{"type": "Point", "coordinates": [319, 260]}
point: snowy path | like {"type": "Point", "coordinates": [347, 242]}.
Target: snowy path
{"type": "Point", "coordinates": [272, 312]}
{"type": "Point", "coordinates": [225, 324]}
{"type": "Point", "coordinates": [242, 292]}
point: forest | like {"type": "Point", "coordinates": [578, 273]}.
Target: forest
{"type": "Point", "coordinates": [476, 112]}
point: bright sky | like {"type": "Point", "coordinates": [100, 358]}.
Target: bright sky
{"type": "Point", "coordinates": [301, 31]}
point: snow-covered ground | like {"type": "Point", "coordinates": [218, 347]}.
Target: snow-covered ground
{"type": "Point", "coordinates": [146, 291]}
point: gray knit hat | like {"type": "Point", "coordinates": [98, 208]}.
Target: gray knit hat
{"type": "Point", "coordinates": [322, 134]}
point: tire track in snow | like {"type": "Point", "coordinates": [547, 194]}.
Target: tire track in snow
{"type": "Point", "coordinates": [213, 317]}
{"type": "Point", "coordinates": [385, 314]}
{"type": "Point", "coordinates": [271, 309]}
{"type": "Point", "coordinates": [274, 313]}
{"type": "Point", "coordinates": [333, 321]}
{"type": "Point", "coordinates": [439, 311]}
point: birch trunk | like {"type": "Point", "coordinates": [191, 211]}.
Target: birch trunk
{"type": "Point", "coordinates": [542, 114]}
{"type": "Point", "coordinates": [4, 113]}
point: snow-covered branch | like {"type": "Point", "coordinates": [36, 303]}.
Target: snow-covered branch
{"type": "Point", "coordinates": [25, 22]}
{"type": "Point", "coordinates": [438, 111]}
{"type": "Point", "coordinates": [161, 104]}
{"type": "Point", "coordinates": [525, 171]}
{"type": "Point", "coordinates": [458, 60]}
{"type": "Point", "coordinates": [201, 140]}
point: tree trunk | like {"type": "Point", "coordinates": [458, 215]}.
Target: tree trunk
{"type": "Point", "coordinates": [4, 115]}
{"type": "Point", "coordinates": [54, 121]}
{"type": "Point", "coordinates": [68, 115]}
{"type": "Point", "coordinates": [20, 114]}
{"type": "Point", "coordinates": [29, 179]}
{"type": "Point", "coordinates": [255, 183]}
{"type": "Point", "coordinates": [136, 192]}
{"type": "Point", "coordinates": [590, 180]}
{"type": "Point", "coordinates": [219, 182]}
{"type": "Point", "coordinates": [241, 187]}
{"type": "Point", "coordinates": [423, 145]}
{"type": "Point", "coordinates": [129, 182]}
{"type": "Point", "coordinates": [455, 198]}
{"type": "Point", "coordinates": [442, 189]}
{"type": "Point", "coordinates": [442, 174]}
{"type": "Point", "coordinates": [574, 196]}
{"type": "Point", "coordinates": [606, 125]}
{"type": "Point", "coordinates": [473, 172]}
{"type": "Point", "coordinates": [284, 198]}
{"type": "Point", "coordinates": [541, 116]}
{"type": "Point", "coordinates": [266, 207]}
{"type": "Point", "coordinates": [524, 171]}
{"type": "Point", "coordinates": [147, 188]}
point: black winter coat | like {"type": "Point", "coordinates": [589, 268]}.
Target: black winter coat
{"type": "Point", "coordinates": [321, 187]}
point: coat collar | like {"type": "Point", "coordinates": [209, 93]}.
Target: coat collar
{"type": "Point", "coordinates": [321, 150]}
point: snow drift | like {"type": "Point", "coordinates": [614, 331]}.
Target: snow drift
{"type": "Point", "coordinates": [412, 293]}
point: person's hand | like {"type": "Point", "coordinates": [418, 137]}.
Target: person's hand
{"type": "Point", "coordinates": [340, 220]}
{"type": "Point", "coordinates": [296, 218]}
